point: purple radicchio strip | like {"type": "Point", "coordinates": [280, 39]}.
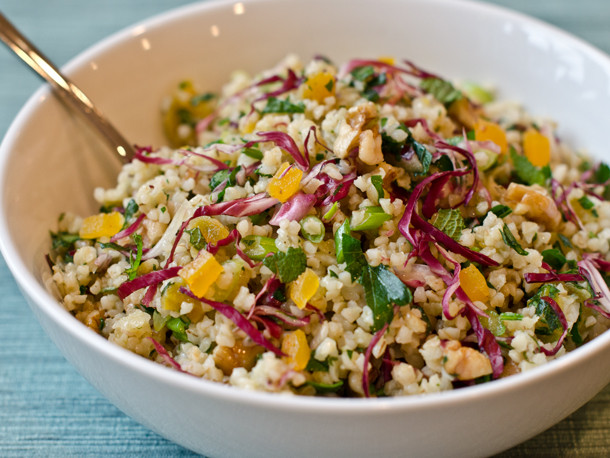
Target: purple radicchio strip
{"type": "Point", "coordinates": [367, 356]}
{"type": "Point", "coordinates": [602, 294]}
{"type": "Point", "coordinates": [240, 321]}
{"type": "Point", "coordinates": [294, 209]}
{"type": "Point", "coordinates": [166, 356]}
{"type": "Point", "coordinates": [234, 236]}
{"type": "Point", "coordinates": [128, 230]}
{"type": "Point", "coordinates": [564, 323]}
{"type": "Point", "coordinates": [152, 278]}
{"type": "Point", "coordinates": [285, 317]}
{"type": "Point", "coordinates": [285, 142]}
{"type": "Point", "coordinates": [487, 342]}
{"type": "Point", "coordinates": [291, 82]}
{"type": "Point", "coordinates": [410, 207]}
{"type": "Point", "coordinates": [274, 329]}
{"type": "Point", "coordinates": [443, 239]}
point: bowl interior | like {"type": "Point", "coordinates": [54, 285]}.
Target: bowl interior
{"type": "Point", "coordinates": [50, 162]}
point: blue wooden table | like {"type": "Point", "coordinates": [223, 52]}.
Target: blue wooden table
{"type": "Point", "coordinates": [46, 407]}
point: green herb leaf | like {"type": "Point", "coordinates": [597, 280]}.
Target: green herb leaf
{"type": "Point", "coordinates": [566, 241]}
{"type": "Point", "coordinates": [313, 365]}
{"type": "Point", "coordinates": [130, 210]}
{"type": "Point", "coordinates": [201, 98]}
{"type": "Point", "coordinates": [450, 221]}
{"type": "Point", "coordinates": [527, 172]}
{"type": "Point", "coordinates": [196, 238]}
{"type": "Point", "coordinates": [323, 388]}
{"type": "Point", "coordinates": [63, 241]}
{"type": "Point", "coordinates": [424, 156]}
{"type": "Point", "coordinates": [253, 153]}
{"type": "Point", "coordinates": [442, 90]}
{"type": "Point", "coordinates": [363, 73]}
{"type": "Point", "coordinates": [554, 258]}
{"type": "Point", "coordinates": [602, 174]}
{"type": "Point", "coordinates": [501, 211]}
{"type": "Point", "coordinates": [178, 326]}
{"type": "Point", "coordinates": [275, 105]}
{"type": "Point", "coordinates": [548, 326]}
{"type": "Point", "coordinates": [377, 181]}
{"type": "Point", "coordinates": [355, 259]}
{"type": "Point", "coordinates": [288, 266]}
{"type": "Point", "coordinates": [339, 235]}
{"type": "Point", "coordinates": [134, 261]}
{"type": "Point", "coordinates": [382, 290]}
{"type": "Point", "coordinates": [511, 241]}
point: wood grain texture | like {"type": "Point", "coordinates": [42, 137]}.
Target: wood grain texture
{"type": "Point", "coordinates": [46, 408]}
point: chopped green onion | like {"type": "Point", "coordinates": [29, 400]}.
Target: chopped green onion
{"type": "Point", "coordinates": [331, 212]}
{"type": "Point", "coordinates": [258, 247]}
{"type": "Point", "coordinates": [313, 229]}
{"type": "Point", "coordinates": [373, 218]}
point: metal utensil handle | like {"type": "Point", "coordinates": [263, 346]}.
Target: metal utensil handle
{"type": "Point", "coordinates": [67, 90]}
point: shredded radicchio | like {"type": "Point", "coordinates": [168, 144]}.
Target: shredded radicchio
{"type": "Point", "coordinates": [166, 356]}
{"type": "Point", "coordinates": [487, 342]}
{"type": "Point", "coordinates": [129, 230]}
{"type": "Point", "coordinates": [367, 356]}
{"type": "Point", "coordinates": [294, 209]}
{"type": "Point", "coordinates": [150, 279]}
{"type": "Point", "coordinates": [240, 321]}
{"type": "Point", "coordinates": [562, 320]}
{"type": "Point", "coordinates": [601, 301]}
{"type": "Point", "coordinates": [285, 142]}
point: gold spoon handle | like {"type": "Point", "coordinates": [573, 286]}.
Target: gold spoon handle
{"type": "Point", "coordinates": [63, 87]}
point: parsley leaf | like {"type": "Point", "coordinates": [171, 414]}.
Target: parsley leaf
{"type": "Point", "coordinates": [196, 239]}
{"type": "Point", "coordinates": [275, 105]}
{"type": "Point", "coordinates": [554, 258]}
{"type": "Point", "coordinates": [355, 259]}
{"type": "Point", "coordinates": [289, 265]}
{"type": "Point", "coordinates": [548, 326]}
{"type": "Point", "coordinates": [130, 210]}
{"type": "Point", "coordinates": [442, 90]}
{"type": "Point", "coordinates": [501, 211]}
{"type": "Point", "coordinates": [450, 221]}
{"type": "Point", "coordinates": [527, 172]}
{"type": "Point", "coordinates": [382, 290]}
{"type": "Point", "coordinates": [134, 261]}
{"type": "Point", "coordinates": [511, 241]}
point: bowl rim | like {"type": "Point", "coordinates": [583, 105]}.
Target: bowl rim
{"type": "Point", "coordinates": [53, 310]}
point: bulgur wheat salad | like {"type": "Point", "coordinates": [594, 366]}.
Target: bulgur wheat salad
{"type": "Point", "coordinates": [367, 230]}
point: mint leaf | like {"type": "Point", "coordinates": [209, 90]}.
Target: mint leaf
{"type": "Point", "coordinates": [527, 172]}
{"type": "Point", "coordinates": [450, 221]}
{"type": "Point", "coordinates": [383, 289]}
{"type": "Point", "coordinates": [511, 241]}
{"type": "Point", "coordinates": [442, 90]}
{"type": "Point", "coordinates": [283, 106]}
{"type": "Point", "coordinates": [548, 327]}
{"type": "Point", "coordinates": [289, 265]}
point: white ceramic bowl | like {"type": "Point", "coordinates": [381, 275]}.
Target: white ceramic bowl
{"type": "Point", "coordinates": [49, 163]}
